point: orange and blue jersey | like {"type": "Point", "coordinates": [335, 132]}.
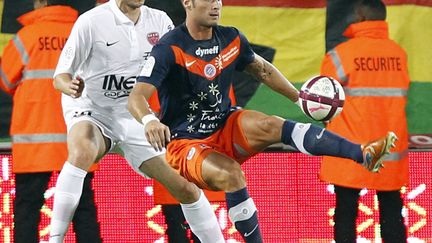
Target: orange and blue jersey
{"type": "Point", "coordinates": [194, 77]}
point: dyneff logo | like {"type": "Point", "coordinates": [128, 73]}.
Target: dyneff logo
{"type": "Point", "coordinates": [117, 87]}
{"type": "Point", "coordinates": [210, 51]}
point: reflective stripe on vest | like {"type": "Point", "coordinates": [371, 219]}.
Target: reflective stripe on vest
{"type": "Point", "coordinates": [21, 49]}
{"type": "Point", "coordinates": [39, 138]}
{"type": "Point", "coordinates": [384, 92]}
{"type": "Point", "coordinates": [28, 74]}
{"type": "Point", "coordinates": [396, 156]}
{"type": "Point", "coordinates": [6, 80]}
{"type": "Point", "coordinates": [338, 64]}
{"type": "Point", "coordinates": [35, 73]}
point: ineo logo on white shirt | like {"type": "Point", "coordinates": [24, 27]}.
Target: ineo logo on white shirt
{"type": "Point", "coordinates": [209, 70]}
{"type": "Point", "coordinates": [117, 86]}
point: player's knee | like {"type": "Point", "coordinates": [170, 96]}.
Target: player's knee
{"type": "Point", "coordinates": [232, 179]}
{"type": "Point", "coordinates": [270, 125]}
{"type": "Point", "coordinates": [187, 192]}
{"type": "Point", "coordinates": [83, 153]}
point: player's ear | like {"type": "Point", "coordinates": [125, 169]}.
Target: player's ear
{"type": "Point", "coordinates": [187, 4]}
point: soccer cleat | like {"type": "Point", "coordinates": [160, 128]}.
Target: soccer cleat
{"type": "Point", "coordinates": [374, 152]}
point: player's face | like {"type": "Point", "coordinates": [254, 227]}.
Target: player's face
{"type": "Point", "coordinates": [133, 3]}
{"type": "Point", "coordinates": [206, 12]}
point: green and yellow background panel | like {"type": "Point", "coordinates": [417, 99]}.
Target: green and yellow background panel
{"type": "Point", "coordinates": [296, 29]}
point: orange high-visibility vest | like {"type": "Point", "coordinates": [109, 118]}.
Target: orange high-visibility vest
{"type": "Point", "coordinates": [38, 130]}
{"type": "Point", "coordinates": [373, 70]}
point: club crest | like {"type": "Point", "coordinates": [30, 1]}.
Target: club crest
{"type": "Point", "coordinates": [153, 38]}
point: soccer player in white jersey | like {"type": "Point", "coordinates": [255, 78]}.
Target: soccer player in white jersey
{"type": "Point", "coordinates": [96, 72]}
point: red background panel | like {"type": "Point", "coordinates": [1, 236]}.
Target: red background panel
{"type": "Point", "coordinates": [294, 206]}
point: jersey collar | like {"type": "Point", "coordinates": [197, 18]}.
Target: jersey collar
{"type": "Point", "coordinates": [120, 16]}
{"type": "Point", "coordinates": [371, 29]}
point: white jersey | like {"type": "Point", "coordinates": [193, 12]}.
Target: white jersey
{"type": "Point", "coordinates": [107, 50]}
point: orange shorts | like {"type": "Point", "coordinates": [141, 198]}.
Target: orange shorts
{"type": "Point", "coordinates": [187, 155]}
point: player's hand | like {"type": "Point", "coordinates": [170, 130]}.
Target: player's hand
{"type": "Point", "coordinates": [157, 134]}
{"type": "Point", "coordinates": [76, 87]}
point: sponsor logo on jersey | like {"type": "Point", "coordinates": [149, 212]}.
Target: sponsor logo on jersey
{"type": "Point", "coordinates": [111, 43]}
{"type": "Point", "coordinates": [117, 86]}
{"type": "Point", "coordinates": [209, 70]}
{"type": "Point", "coordinates": [153, 38]}
{"type": "Point", "coordinates": [188, 64]}
{"type": "Point", "coordinates": [229, 54]}
{"type": "Point", "coordinates": [209, 51]}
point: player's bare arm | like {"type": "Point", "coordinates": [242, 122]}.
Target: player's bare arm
{"type": "Point", "coordinates": [268, 74]}
{"type": "Point", "coordinates": [69, 86]}
{"type": "Point", "coordinates": [157, 133]}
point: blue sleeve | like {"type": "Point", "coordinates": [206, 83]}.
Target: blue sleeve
{"type": "Point", "coordinates": [247, 55]}
{"type": "Point", "coordinates": [157, 65]}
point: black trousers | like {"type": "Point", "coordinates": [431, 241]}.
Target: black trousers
{"type": "Point", "coordinates": [393, 229]}
{"type": "Point", "coordinates": [29, 198]}
{"type": "Point", "coordinates": [177, 227]}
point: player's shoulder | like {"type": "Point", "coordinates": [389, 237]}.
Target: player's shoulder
{"type": "Point", "coordinates": [180, 34]}
{"type": "Point", "coordinates": [176, 36]}
{"type": "Point", "coordinates": [227, 30]}
{"type": "Point", "coordinates": [100, 10]}
{"type": "Point", "coordinates": [153, 13]}
{"type": "Point", "coordinates": [98, 14]}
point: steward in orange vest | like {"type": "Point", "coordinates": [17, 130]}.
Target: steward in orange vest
{"type": "Point", "coordinates": [373, 70]}
{"type": "Point", "coordinates": [38, 130]}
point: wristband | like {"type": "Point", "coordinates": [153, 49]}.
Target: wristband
{"type": "Point", "coordinates": [148, 118]}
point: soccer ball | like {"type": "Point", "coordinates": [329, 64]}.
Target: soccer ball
{"type": "Point", "coordinates": [321, 98]}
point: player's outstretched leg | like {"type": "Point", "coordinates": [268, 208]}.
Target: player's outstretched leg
{"type": "Point", "coordinates": [314, 140]}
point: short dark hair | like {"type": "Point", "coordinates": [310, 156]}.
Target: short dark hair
{"type": "Point", "coordinates": [58, 2]}
{"type": "Point", "coordinates": [372, 9]}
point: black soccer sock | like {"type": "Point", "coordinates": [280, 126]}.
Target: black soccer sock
{"type": "Point", "coordinates": [314, 140]}
{"type": "Point", "coordinates": [243, 214]}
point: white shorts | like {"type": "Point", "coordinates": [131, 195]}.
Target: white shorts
{"type": "Point", "coordinates": [122, 129]}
